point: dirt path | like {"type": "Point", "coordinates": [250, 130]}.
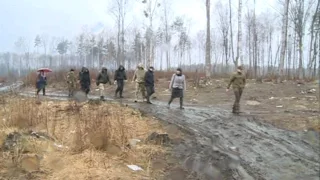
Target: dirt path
{"type": "Point", "coordinates": [221, 145]}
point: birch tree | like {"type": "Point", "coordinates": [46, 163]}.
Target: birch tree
{"type": "Point", "coordinates": [208, 43]}
{"type": "Point", "coordinates": [239, 43]}
{"type": "Point", "coordinates": [284, 33]}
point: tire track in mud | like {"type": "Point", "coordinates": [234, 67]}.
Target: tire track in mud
{"type": "Point", "coordinates": [222, 146]}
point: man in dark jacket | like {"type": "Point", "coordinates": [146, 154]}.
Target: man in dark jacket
{"type": "Point", "coordinates": [102, 80]}
{"type": "Point", "coordinates": [119, 77]}
{"type": "Point", "coordinates": [149, 83]}
{"type": "Point", "coordinates": [85, 80]}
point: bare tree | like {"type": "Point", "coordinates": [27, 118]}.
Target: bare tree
{"type": "Point", "coordinates": [239, 43]}
{"type": "Point", "coordinates": [119, 11]}
{"type": "Point", "coordinates": [208, 43]}
{"type": "Point", "coordinates": [231, 33]}
{"type": "Point", "coordinates": [299, 15]}
{"type": "Point", "coordinates": [151, 6]}
{"type": "Point", "coordinates": [284, 33]}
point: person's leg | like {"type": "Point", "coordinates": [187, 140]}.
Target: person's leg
{"type": "Point", "coordinates": [137, 91]}
{"type": "Point", "coordinates": [143, 91]}
{"type": "Point", "coordinates": [149, 91]}
{"type": "Point", "coordinates": [181, 100]}
{"type": "Point", "coordinates": [101, 89]}
{"type": "Point", "coordinates": [44, 91]}
{"type": "Point", "coordinates": [121, 88]}
{"type": "Point", "coordinates": [236, 102]}
{"type": "Point", "coordinates": [172, 97]}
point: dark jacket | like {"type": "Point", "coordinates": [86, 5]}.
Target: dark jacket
{"type": "Point", "coordinates": [120, 74]}
{"type": "Point", "coordinates": [103, 77]}
{"type": "Point", "coordinates": [84, 76]}
{"type": "Point", "coordinates": [149, 78]}
{"type": "Point", "coordinates": [41, 81]}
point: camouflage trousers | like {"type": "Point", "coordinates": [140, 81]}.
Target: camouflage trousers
{"type": "Point", "coordinates": [236, 105]}
{"type": "Point", "coordinates": [71, 88]}
{"type": "Point", "coordinates": [140, 87]}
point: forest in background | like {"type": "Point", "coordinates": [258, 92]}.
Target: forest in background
{"type": "Point", "coordinates": [268, 42]}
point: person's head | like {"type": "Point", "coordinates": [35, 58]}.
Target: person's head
{"type": "Point", "coordinates": [151, 68]}
{"type": "Point", "coordinates": [104, 69]}
{"type": "Point", "coordinates": [239, 69]}
{"type": "Point", "coordinates": [121, 68]}
{"type": "Point", "coordinates": [140, 65]}
{"type": "Point", "coordinates": [71, 70]}
{"type": "Point", "coordinates": [179, 71]}
{"type": "Point", "coordinates": [42, 72]}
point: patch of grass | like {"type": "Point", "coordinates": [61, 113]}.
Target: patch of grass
{"type": "Point", "coordinates": [91, 140]}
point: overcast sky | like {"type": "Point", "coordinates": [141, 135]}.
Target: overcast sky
{"type": "Point", "coordinates": [65, 18]}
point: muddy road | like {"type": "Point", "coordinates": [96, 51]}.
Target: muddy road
{"type": "Point", "coordinates": [219, 145]}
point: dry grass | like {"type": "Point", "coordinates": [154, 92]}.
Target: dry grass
{"type": "Point", "coordinates": [91, 141]}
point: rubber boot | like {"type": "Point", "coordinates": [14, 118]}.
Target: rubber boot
{"type": "Point", "coordinates": [181, 103]}
{"type": "Point", "coordinates": [102, 98]}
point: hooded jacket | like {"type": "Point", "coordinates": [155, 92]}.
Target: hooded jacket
{"type": "Point", "coordinates": [103, 77]}
{"type": "Point", "coordinates": [120, 74]}
{"type": "Point", "coordinates": [84, 76]}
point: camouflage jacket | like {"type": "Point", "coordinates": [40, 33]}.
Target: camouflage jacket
{"type": "Point", "coordinates": [238, 80]}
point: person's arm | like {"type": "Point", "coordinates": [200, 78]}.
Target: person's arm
{"type": "Point", "coordinates": [171, 82]}
{"type": "Point", "coordinates": [244, 80]}
{"type": "Point", "coordinates": [231, 81]}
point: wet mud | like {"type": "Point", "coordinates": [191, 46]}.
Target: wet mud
{"type": "Point", "coordinates": [219, 145]}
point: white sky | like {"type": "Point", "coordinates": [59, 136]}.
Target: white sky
{"type": "Point", "coordinates": [65, 18]}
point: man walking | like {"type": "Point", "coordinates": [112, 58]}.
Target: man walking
{"type": "Point", "coordinates": [149, 83]}
{"type": "Point", "coordinates": [85, 80]}
{"type": "Point", "coordinates": [102, 80]}
{"type": "Point", "coordinates": [119, 77]}
{"type": "Point", "coordinates": [139, 78]}
{"type": "Point", "coordinates": [71, 80]}
{"type": "Point", "coordinates": [238, 81]}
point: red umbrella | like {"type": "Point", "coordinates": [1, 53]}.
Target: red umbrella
{"type": "Point", "coordinates": [46, 70]}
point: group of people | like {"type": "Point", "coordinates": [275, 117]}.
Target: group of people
{"type": "Point", "coordinates": [144, 83]}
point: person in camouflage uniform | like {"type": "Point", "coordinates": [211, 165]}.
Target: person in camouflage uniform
{"type": "Point", "coordinates": [139, 78]}
{"type": "Point", "coordinates": [238, 82]}
{"type": "Point", "coordinates": [72, 81]}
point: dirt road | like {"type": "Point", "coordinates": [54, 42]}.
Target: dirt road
{"type": "Point", "coordinates": [219, 145]}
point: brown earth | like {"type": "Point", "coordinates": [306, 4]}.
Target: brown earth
{"type": "Point", "coordinates": [91, 141]}
{"type": "Point", "coordinates": [288, 105]}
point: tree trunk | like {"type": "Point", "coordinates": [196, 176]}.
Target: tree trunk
{"type": "Point", "coordinates": [231, 34]}
{"type": "Point", "coordinates": [239, 44]}
{"type": "Point", "coordinates": [284, 33]}
{"type": "Point", "coordinates": [208, 42]}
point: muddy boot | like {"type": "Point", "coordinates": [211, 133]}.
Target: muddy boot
{"type": "Point", "coordinates": [102, 98]}
{"type": "Point", "coordinates": [181, 104]}
{"type": "Point", "coordinates": [121, 95]}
